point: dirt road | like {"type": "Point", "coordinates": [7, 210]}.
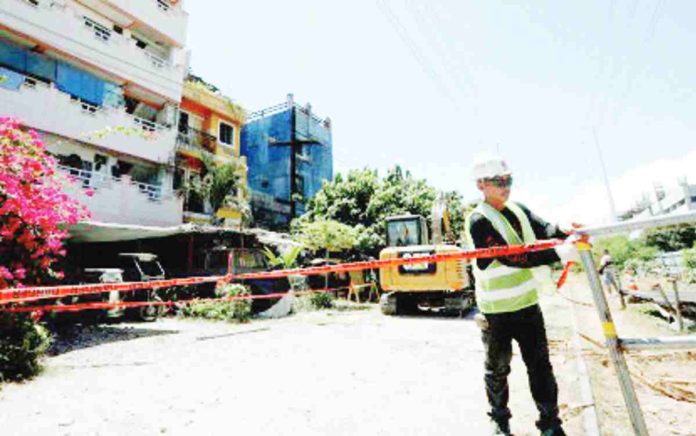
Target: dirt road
{"type": "Point", "coordinates": [314, 373]}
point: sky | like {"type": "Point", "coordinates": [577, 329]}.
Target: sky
{"type": "Point", "coordinates": [429, 85]}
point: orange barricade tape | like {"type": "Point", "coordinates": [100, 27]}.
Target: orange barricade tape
{"type": "Point", "coordinates": [17, 295]}
{"type": "Point", "coordinates": [103, 305]}
{"type": "Point", "coordinates": [564, 275]}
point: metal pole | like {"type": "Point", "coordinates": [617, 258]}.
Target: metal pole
{"type": "Point", "coordinates": [622, 299]}
{"type": "Point", "coordinates": [293, 162]}
{"type": "Point", "coordinates": [668, 343]}
{"type": "Point", "coordinates": [677, 303]}
{"type": "Point", "coordinates": [646, 223]}
{"type": "Point", "coordinates": [612, 205]}
{"type": "Point", "coordinates": [612, 342]}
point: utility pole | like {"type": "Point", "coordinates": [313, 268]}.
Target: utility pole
{"type": "Point", "coordinates": [612, 205]}
{"type": "Point", "coordinates": [295, 147]}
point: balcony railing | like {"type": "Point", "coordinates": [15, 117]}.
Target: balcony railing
{"type": "Point", "coordinates": [164, 5]}
{"type": "Point", "coordinates": [96, 180]}
{"type": "Point", "coordinates": [196, 140]}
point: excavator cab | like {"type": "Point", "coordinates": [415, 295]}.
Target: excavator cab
{"type": "Point", "coordinates": [406, 230]}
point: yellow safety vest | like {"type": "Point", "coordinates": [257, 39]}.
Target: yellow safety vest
{"type": "Point", "coordinates": [500, 288]}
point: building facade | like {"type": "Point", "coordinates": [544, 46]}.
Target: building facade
{"type": "Point", "coordinates": [289, 155]}
{"type": "Point", "coordinates": [674, 200]}
{"type": "Point", "coordinates": [209, 130]}
{"type": "Point", "coordinates": [101, 81]}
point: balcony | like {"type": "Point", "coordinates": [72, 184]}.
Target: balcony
{"type": "Point", "coordinates": [163, 16]}
{"type": "Point", "coordinates": [197, 143]}
{"type": "Point", "coordinates": [64, 30]}
{"type": "Point", "coordinates": [44, 107]}
{"type": "Point", "coordinates": [123, 200]}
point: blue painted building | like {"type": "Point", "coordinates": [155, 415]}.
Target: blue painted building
{"type": "Point", "coordinates": [268, 139]}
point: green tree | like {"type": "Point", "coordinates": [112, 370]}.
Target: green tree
{"type": "Point", "coordinates": [363, 200]}
{"type": "Point", "coordinates": [623, 250]}
{"type": "Point", "coordinates": [326, 235]}
{"type": "Point", "coordinates": [672, 238]}
{"type": "Point", "coordinates": [219, 184]}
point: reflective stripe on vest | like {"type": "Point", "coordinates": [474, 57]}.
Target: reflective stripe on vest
{"type": "Point", "coordinates": [500, 288]}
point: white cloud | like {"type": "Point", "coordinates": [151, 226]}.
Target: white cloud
{"type": "Point", "coordinates": [589, 203]}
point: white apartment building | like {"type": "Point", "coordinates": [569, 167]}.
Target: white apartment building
{"type": "Point", "coordinates": [101, 80]}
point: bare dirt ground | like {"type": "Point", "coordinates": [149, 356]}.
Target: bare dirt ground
{"type": "Point", "coordinates": [314, 373]}
{"type": "Point", "coordinates": [657, 374]}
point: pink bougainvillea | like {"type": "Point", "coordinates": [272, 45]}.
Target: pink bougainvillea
{"type": "Point", "coordinates": [34, 210]}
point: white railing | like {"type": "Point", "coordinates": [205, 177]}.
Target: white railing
{"type": "Point", "coordinates": [100, 32]}
{"type": "Point", "coordinates": [93, 179]}
{"type": "Point", "coordinates": [164, 5]}
{"type": "Point", "coordinates": [156, 61]}
{"type": "Point", "coordinates": [281, 107]}
{"type": "Point", "coordinates": [31, 83]}
{"type": "Point", "coordinates": [86, 108]}
{"type": "Point", "coordinates": [147, 125]}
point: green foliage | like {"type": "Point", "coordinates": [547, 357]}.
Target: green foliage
{"type": "Point", "coordinates": [623, 250]}
{"type": "Point", "coordinates": [22, 343]}
{"type": "Point", "coordinates": [672, 238]}
{"type": "Point", "coordinates": [362, 200]}
{"type": "Point", "coordinates": [326, 235]}
{"type": "Point", "coordinates": [219, 185]}
{"type": "Point", "coordinates": [322, 300]}
{"type": "Point", "coordinates": [689, 263]}
{"type": "Point", "coordinates": [235, 310]}
{"type": "Point", "coordinates": [285, 260]}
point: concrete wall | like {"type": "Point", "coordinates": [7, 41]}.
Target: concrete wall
{"type": "Point", "coordinates": [124, 202]}
{"type": "Point", "coordinates": [46, 108]}
{"type": "Point", "coordinates": [61, 29]}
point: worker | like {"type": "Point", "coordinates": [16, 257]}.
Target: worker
{"type": "Point", "coordinates": [507, 295]}
{"type": "Point", "coordinates": [608, 272]}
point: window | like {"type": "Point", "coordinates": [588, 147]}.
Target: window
{"type": "Point", "coordinates": [183, 122]}
{"type": "Point", "coordinates": [226, 134]}
{"type": "Point", "coordinates": [99, 161]}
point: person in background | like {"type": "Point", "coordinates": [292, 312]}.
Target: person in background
{"type": "Point", "coordinates": [608, 273]}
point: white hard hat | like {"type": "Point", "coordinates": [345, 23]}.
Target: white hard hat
{"type": "Point", "coordinates": [488, 166]}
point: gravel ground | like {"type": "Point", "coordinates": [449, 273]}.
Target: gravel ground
{"type": "Point", "coordinates": [315, 373]}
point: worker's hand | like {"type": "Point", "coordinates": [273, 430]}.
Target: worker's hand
{"type": "Point", "coordinates": [569, 228]}
{"type": "Point", "coordinates": [567, 251]}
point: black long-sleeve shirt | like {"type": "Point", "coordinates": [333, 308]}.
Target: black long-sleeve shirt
{"type": "Point", "coordinates": [484, 235]}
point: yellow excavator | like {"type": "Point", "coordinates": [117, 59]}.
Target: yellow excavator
{"type": "Point", "coordinates": [443, 286]}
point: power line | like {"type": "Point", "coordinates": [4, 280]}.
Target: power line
{"type": "Point", "coordinates": [454, 70]}
{"type": "Point", "coordinates": [416, 52]}
{"type": "Point", "coordinates": [612, 205]}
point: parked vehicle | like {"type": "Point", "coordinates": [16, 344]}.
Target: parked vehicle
{"type": "Point", "coordinates": [248, 260]}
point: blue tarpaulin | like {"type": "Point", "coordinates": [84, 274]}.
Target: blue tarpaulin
{"type": "Point", "coordinates": [10, 80]}
{"type": "Point", "coordinates": [13, 56]}
{"type": "Point", "coordinates": [67, 78]}
{"type": "Point", "coordinates": [80, 84]}
{"type": "Point", "coordinates": [41, 66]}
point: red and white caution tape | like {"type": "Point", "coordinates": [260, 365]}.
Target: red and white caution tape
{"type": "Point", "coordinates": [20, 295]}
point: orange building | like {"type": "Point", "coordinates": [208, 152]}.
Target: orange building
{"type": "Point", "coordinates": [209, 129]}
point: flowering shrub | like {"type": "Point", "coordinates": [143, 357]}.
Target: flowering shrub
{"type": "Point", "coordinates": [34, 210]}
{"type": "Point", "coordinates": [34, 214]}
